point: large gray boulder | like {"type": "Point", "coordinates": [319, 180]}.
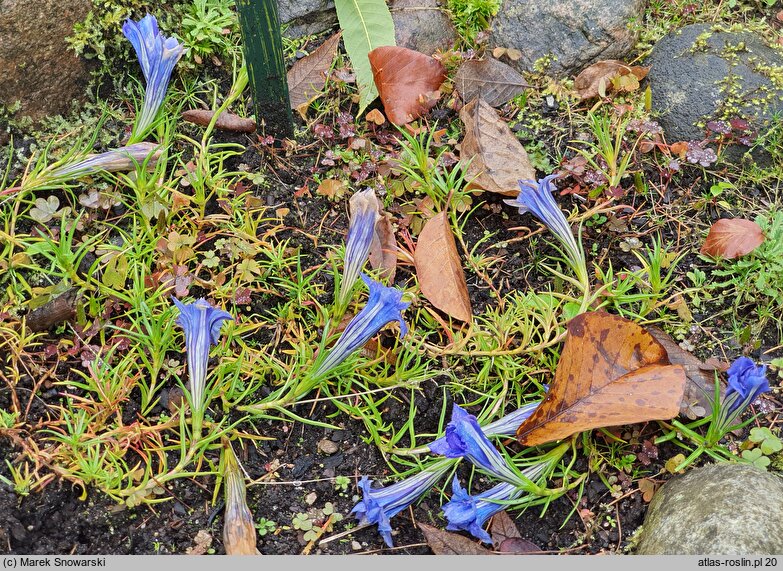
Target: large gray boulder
{"type": "Point", "coordinates": [37, 69]}
{"type": "Point", "coordinates": [574, 33]}
{"type": "Point", "coordinates": [701, 73]}
{"type": "Point", "coordinates": [721, 509]}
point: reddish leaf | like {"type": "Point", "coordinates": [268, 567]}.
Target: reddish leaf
{"type": "Point", "coordinates": [446, 543]}
{"type": "Point", "coordinates": [498, 160]}
{"type": "Point", "coordinates": [611, 372]}
{"type": "Point", "coordinates": [518, 546]}
{"type": "Point", "coordinates": [226, 122]}
{"type": "Point", "coordinates": [307, 77]}
{"type": "Point", "coordinates": [439, 269]}
{"type": "Point", "coordinates": [732, 237]}
{"type": "Point", "coordinates": [407, 82]}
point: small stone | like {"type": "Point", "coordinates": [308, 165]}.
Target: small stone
{"type": "Point", "coordinates": [422, 25]}
{"type": "Point", "coordinates": [327, 446]}
{"type": "Point", "coordinates": [356, 546]}
{"type": "Point", "coordinates": [311, 498]}
{"type": "Point", "coordinates": [721, 509]}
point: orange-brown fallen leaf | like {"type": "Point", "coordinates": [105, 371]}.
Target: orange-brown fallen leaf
{"type": "Point", "coordinates": [439, 269]}
{"type": "Point", "coordinates": [226, 122]}
{"type": "Point", "coordinates": [732, 237]}
{"type": "Point", "coordinates": [498, 160]}
{"type": "Point", "coordinates": [605, 75]}
{"type": "Point", "coordinates": [407, 82]}
{"type": "Point", "coordinates": [307, 77]}
{"type": "Point", "coordinates": [611, 372]}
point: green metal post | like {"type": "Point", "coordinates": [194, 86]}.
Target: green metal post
{"type": "Point", "coordinates": [260, 26]}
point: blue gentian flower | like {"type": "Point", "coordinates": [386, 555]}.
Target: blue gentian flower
{"type": "Point", "coordinates": [201, 323]}
{"type": "Point", "coordinates": [469, 513]}
{"type": "Point", "coordinates": [383, 306]}
{"type": "Point", "coordinates": [465, 439]}
{"type": "Point", "coordinates": [157, 56]}
{"type": "Point", "coordinates": [378, 505]}
{"type": "Point", "coordinates": [746, 382]}
{"type": "Point", "coordinates": [365, 212]}
{"type": "Point", "coordinates": [537, 199]}
{"type": "Point", "coordinates": [122, 159]}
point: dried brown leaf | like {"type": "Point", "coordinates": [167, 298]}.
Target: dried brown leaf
{"type": "Point", "coordinates": [307, 77]}
{"type": "Point", "coordinates": [611, 372]}
{"type": "Point", "coordinates": [383, 248]}
{"type": "Point", "coordinates": [447, 543]}
{"type": "Point", "coordinates": [502, 528]}
{"type": "Point", "coordinates": [492, 80]}
{"type": "Point", "coordinates": [407, 82]}
{"type": "Point", "coordinates": [226, 122]}
{"type": "Point", "coordinates": [498, 160]}
{"type": "Point", "coordinates": [732, 238]}
{"type": "Point", "coordinates": [700, 388]}
{"type": "Point", "coordinates": [594, 80]}
{"type": "Point", "coordinates": [439, 269]}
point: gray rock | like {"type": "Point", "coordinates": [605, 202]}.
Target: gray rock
{"type": "Point", "coordinates": [721, 509]}
{"type": "Point", "coordinates": [305, 17]}
{"type": "Point", "coordinates": [422, 25]}
{"type": "Point", "coordinates": [575, 33]}
{"type": "Point", "coordinates": [699, 74]}
{"type": "Point", "coordinates": [36, 66]}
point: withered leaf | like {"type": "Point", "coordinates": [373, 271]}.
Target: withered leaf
{"type": "Point", "coordinates": [498, 160]}
{"type": "Point", "coordinates": [700, 388]}
{"type": "Point", "coordinates": [383, 248]}
{"type": "Point", "coordinates": [439, 269]}
{"type": "Point", "coordinates": [597, 78]}
{"type": "Point", "coordinates": [611, 372]}
{"type": "Point", "coordinates": [502, 528]}
{"type": "Point", "coordinates": [226, 122]}
{"type": "Point", "coordinates": [732, 238]}
{"type": "Point", "coordinates": [492, 80]}
{"type": "Point", "coordinates": [407, 82]}
{"type": "Point", "coordinates": [447, 543]}
{"type": "Point", "coordinates": [307, 77]}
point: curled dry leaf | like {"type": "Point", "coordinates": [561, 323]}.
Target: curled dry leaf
{"type": "Point", "coordinates": [700, 388]}
{"type": "Point", "coordinates": [383, 248]}
{"type": "Point", "coordinates": [239, 533]}
{"type": "Point", "coordinates": [375, 116]}
{"type": "Point", "coordinates": [407, 81]}
{"type": "Point", "coordinates": [498, 160]}
{"type": "Point", "coordinates": [492, 80]}
{"type": "Point", "coordinates": [732, 237]}
{"type": "Point", "coordinates": [447, 543]}
{"type": "Point", "coordinates": [439, 269]}
{"type": "Point", "coordinates": [605, 75]}
{"type": "Point", "coordinates": [506, 536]}
{"type": "Point", "coordinates": [307, 77]}
{"type": "Point", "coordinates": [611, 372]}
{"type": "Point", "coordinates": [225, 122]}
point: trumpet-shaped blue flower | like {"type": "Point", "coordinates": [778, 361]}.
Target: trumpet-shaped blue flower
{"type": "Point", "coordinates": [746, 382]}
{"type": "Point", "coordinates": [365, 210]}
{"type": "Point", "coordinates": [378, 505]}
{"type": "Point", "coordinates": [537, 199]}
{"type": "Point", "coordinates": [383, 306]}
{"type": "Point", "coordinates": [465, 439]}
{"type": "Point", "coordinates": [469, 513]}
{"type": "Point", "coordinates": [201, 323]}
{"type": "Point", "coordinates": [157, 56]}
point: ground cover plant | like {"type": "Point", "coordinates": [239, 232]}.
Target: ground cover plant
{"type": "Point", "coordinates": [450, 314]}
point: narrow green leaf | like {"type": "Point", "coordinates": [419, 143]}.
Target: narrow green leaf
{"type": "Point", "coordinates": [366, 25]}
